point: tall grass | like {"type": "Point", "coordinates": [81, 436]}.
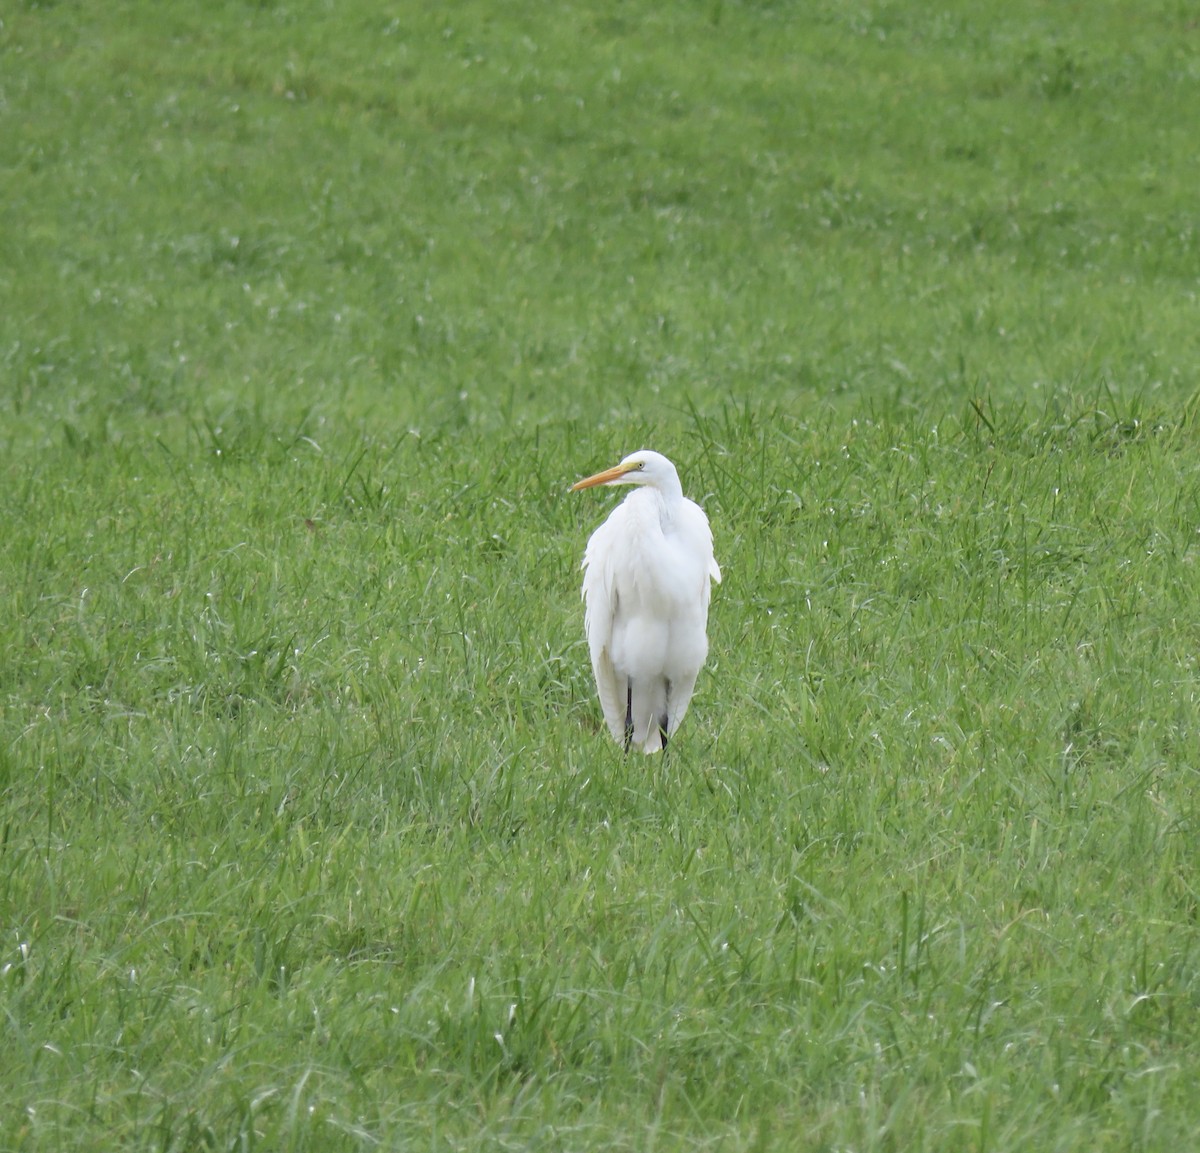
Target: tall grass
{"type": "Point", "coordinates": [310, 833]}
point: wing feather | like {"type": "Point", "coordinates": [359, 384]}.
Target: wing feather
{"type": "Point", "coordinates": [602, 600]}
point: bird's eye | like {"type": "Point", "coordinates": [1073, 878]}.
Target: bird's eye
{"type": "Point", "coordinates": [641, 465]}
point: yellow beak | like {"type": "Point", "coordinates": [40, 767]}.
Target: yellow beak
{"type": "Point", "coordinates": [609, 474]}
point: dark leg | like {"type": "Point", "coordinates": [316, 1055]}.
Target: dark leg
{"type": "Point", "coordinates": [664, 721]}
{"type": "Point", "coordinates": [628, 715]}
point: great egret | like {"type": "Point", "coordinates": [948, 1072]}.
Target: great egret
{"type": "Point", "coordinates": [646, 589]}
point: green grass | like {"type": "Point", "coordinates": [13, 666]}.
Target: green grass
{"type": "Point", "coordinates": [310, 834]}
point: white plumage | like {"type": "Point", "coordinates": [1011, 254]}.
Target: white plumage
{"type": "Point", "coordinates": [646, 587]}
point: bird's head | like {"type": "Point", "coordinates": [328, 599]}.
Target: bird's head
{"type": "Point", "coordinates": [641, 467]}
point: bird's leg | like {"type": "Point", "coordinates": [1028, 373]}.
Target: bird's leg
{"type": "Point", "coordinates": [664, 720]}
{"type": "Point", "coordinates": [628, 714]}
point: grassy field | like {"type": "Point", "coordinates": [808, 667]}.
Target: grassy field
{"type": "Point", "coordinates": [310, 834]}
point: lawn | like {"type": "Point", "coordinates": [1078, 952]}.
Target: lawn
{"type": "Point", "coordinates": [311, 835]}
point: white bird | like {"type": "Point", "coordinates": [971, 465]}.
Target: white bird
{"type": "Point", "coordinates": [646, 589]}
